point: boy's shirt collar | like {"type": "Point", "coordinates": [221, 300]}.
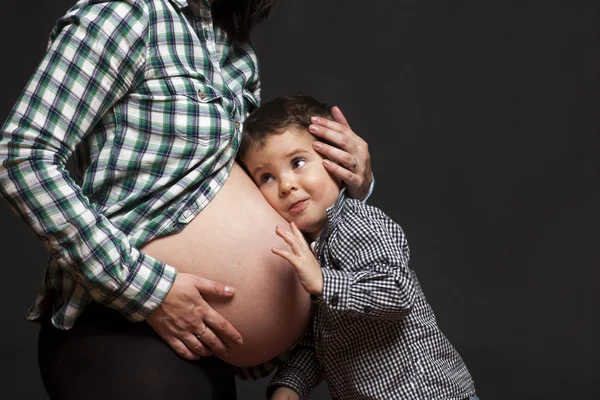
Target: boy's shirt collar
{"type": "Point", "coordinates": [333, 214]}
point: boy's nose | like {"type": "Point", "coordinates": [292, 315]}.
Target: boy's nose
{"type": "Point", "coordinates": [287, 187]}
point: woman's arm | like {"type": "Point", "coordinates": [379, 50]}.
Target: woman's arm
{"type": "Point", "coordinates": [96, 56]}
{"type": "Point", "coordinates": [88, 67]}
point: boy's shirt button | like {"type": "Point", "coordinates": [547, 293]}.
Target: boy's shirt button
{"type": "Point", "coordinates": [334, 300]}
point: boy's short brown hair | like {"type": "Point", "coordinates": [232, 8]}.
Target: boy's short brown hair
{"type": "Point", "coordinates": [276, 116]}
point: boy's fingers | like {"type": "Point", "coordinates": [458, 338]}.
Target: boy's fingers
{"type": "Point", "coordinates": [287, 236]}
{"type": "Point", "coordinates": [297, 233]}
{"type": "Point", "coordinates": [284, 254]}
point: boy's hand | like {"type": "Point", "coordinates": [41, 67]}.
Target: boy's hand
{"type": "Point", "coordinates": [350, 156]}
{"type": "Point", "coordinates": [302, 259]}
{"type": "Point", "coordinates": [283, 393]}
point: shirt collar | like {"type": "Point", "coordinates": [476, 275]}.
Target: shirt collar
{"type": "Point", "coordinates": [333, 214]}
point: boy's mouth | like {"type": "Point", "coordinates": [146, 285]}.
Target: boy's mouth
{"type": "Point", "coordinates": [298, 206]}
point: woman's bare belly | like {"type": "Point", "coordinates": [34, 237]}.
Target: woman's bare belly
{"type": "Point", "coordinates": [230, 241]}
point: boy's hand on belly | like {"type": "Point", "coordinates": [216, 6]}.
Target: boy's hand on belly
{"type": "Point", "coordinates": [302, 259]}
{"type": "Point", "coordinates": [186, 321]}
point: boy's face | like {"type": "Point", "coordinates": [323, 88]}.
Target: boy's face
{"type": "Point", "coordinates": [291, 176]}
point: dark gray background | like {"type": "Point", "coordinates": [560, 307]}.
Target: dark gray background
{"type": "Point", "coordinates": [482, 121]}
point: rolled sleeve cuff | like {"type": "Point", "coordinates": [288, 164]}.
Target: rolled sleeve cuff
{"type": "Point", "coordinates": [146, 290]}
{"type": "Point", "coordinates": [336, 287]}
{"type": "Point", "coordinates": [291, 381]}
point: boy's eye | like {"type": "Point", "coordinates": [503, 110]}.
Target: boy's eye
{"type": "Point", "coordinates": [298, 162]}
{"type": "Point", "coordinates": [264, 178]}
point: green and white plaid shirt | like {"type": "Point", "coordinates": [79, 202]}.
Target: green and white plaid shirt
{"type": "Point", "coordinates": [155, 95]}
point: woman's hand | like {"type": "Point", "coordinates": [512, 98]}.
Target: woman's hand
{"type": "Point", "coordinates": [351, 158]}
{"type": "Point", "coordinates": [283, 393]}
{"type": "Point", "coordinates": [186, 321]}
{"type": "Point", "coordinates": [302, 259]}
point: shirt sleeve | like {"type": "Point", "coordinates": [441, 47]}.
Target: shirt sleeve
{"type": "Point", "coordinates": [258, 371]}
{"type": "Point", "coordinates": [370, 277]}
{"type": "Point", "coordinates": [96, 55]}
{"type": "Point", "coordinates": [254, 85]}
{"type": "Point", "coordinates": [371, 188]}
{"type": "Point", "coordinates": [301, 372]}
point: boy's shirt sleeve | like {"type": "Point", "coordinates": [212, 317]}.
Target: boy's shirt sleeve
{"type": "Point", "coordinates": [302, 372]}
{"type": "Point", "coordinates": [369, 277]}
{"type": "Point", "coordinates": [262, 370]}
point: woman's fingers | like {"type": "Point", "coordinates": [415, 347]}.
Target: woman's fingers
{"type": "Point", "coordinates": [211, 317]}
{"type": "Point", "coordinates": [184, 313]}
{"type": "Point", "coordinates": [221, 327]}
{"type": "Point", "coordinates": [339, 116]}
{"type": "Point", "coordinates": [181, 348]}
{"type": "Point", "coordinates": [196, 346]}
{"type": "Point", "coordinates": [335, 133]}
{"type": "Point", "coordinates": [341, 157]}
{"type": "Point", "coordinates": [348, 152]}
{"type": "Point", "coordinates": [342, 173]}
{"type": "Point", "coordinates": [207, 342]}
{"type": "Point", "coordinates": [206, 286]}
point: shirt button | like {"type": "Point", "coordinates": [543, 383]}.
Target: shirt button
{"type": "Point", "coordinates": [368, 309]}
{"type": "Point", "coordinates": [202, 95]}
{"type": "Point", "coordinates": [186, 216]}
{"type": "Point", "coordinates": [334, 300]}
{"type": "Point", "coordinates": [237, 124]}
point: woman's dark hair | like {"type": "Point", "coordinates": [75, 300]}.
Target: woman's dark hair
{"type": "Point", "coordinates": [238, 17]}
{"type": "Point", "coordinates": [277, 115]}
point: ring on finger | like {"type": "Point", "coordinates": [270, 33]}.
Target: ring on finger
{"type": "Point", "coordinates": [355, 164]}
{"type": "Point", "coordinates": [199, 335]}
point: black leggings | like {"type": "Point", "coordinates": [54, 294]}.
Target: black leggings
{"type": "Point", "coordinates": [105, 356]}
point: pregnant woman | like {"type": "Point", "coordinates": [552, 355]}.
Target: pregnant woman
{"type": "Point", "coordinates": [160, 244]}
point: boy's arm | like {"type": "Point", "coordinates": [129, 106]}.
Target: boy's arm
{"type": "Point", "coordinates": [301, 373]}
{"type": "Point", "coordinates": [370, 277]}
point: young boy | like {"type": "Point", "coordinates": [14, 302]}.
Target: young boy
{"type": "Point", "coordinates": [373, 334]}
